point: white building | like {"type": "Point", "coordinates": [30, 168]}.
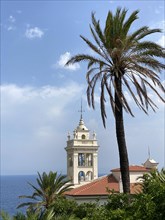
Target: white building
{"type": "Point", "coordinates": [99, 189]}
{"type": "Point", "coordinates": [82, 169]}
{"type": "Point", "coordinates": [82, 155]}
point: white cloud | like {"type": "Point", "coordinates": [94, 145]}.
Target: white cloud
{"type": "Point", "coordinates": [159, 10]}
{"type": "Point", "coordinates": [11, 28]}
{"type": "Point", "coordinates": [63, 60]}
{"type": "Point", "coordinates": [35, 122]}
{"type": "Point", "coordinates": [160, 24]}
{"type": "Point", "coordinates": [32, 33]}
{"type": "Point", "coordinates": [28, 95]}
{"type": "Point", "coordinates": [12, 19]}
{"type": "Point", "coordinates": [161, 41]}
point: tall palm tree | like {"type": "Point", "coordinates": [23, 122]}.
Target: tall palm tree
{"type": "Point", "coordinates": [50, 187]}
{"type": "Point", "coordinates": [123, 62]}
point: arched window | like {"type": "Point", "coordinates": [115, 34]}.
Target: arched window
{"type": "Point", "coordinates": [83, 136]}
{"type": "Point", "coordinates": [89, 176]}
{"type": "Point", "coordinates": [81, 176]}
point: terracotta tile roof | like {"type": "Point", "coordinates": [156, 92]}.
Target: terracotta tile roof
{"type": "Point", "coordinates": [133, 168]}
{"type": "Point", "coordinates": [96, 187]}
{"type": "Point", "coordinates": [135, 188]}
{"type": "Point", "coordinates": [100, 185]}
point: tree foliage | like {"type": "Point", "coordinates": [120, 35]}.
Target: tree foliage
{"type": "Point", "coordinates": [123, 55]}
{"type": "Point", "coordinates": [50, 187]}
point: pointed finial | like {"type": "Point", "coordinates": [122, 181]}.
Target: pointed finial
{"type": "Point", "coordinates": [68, 136]}
{"type": "Point", "coordinates": [94, 135]}
{"type": "Point", "coordinates": [148, 152]}
{"type": "Point", "coordinates": [81, 110]}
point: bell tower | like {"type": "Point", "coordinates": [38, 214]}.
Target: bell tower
{"type": "Point", "coordinates": [82, 155]}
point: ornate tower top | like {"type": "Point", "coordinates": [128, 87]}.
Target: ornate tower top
{"type": "Point", "coordinates": [82, 154]}
{"type": "Point", "coordinates": [81, 126]}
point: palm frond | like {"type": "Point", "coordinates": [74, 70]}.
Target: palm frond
{"type": "Point", "coordinates": [129, 22]}
{"type": "Point", "coordinates": [27, 204]}
{"type": "Point", "coordinates": [102, 102]}
{"type": "Point", "coordinates": [109, 90]}
{"type": "Point", "coordinates": [101, 46]}
{"type": "Point", "coordinates": [85, 57]}
{"type": "Point", "coordinates": [93, 47]}
{"type": "Point", "coordinates": [50, 186]}
{"type": "Point", "coordinates": [136, 33]}
{"type": "Point", "coordinates": [97, 28]}
{"type": "Point", "coordinates": [145, 45]}
{"type": "Point", "coordinates": [147, 32]}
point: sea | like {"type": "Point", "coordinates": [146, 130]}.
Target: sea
{"type": "Point", "coordinates": [11, 187]}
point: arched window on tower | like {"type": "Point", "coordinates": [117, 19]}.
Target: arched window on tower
{"type": "Point", "coordinates": [83, 136]}
{"type": "Point", "coordinates": [81, 176]}
{"type": "Point", "coordinates": [89, 176]}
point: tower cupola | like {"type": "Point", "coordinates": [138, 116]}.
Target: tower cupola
{"type": "Point", "coordinates": [82, 155]}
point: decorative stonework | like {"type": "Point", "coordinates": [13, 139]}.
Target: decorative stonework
{"type": "Point", "coordinates": [82, 159]}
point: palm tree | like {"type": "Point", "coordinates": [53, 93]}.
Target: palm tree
{"type": "Point", "coordinates": [153, 185]}
{"type": "Point", "coordinates": [154, 182]}
{"type": "Point", "coordinates": [123, 62]}
{"type": "Point", "coordinates": [50, 187]}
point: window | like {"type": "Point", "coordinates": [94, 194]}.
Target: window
{"type": "Point", "coordinates": [81, 176]}
{"type": "Point", "coordinates": [81, 159]}
{"type": "Point", "coordinates": [89, 160]}
{"type": "Point", "coordinates": [70, 161]}
{"type": "Point", "coordinates": [83, 136]}
{"type": "Point", "coordinates": [89, 176]}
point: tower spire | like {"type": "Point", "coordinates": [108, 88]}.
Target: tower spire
{"type": "Point", "coordinates": [81, 110]}
{"type": "Point", "coordinates": [148, 152]}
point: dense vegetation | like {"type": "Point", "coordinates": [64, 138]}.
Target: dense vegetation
{"type": "Point", "coordinates": [50, 187]}
{"type": "Point", "coordinates": [148, 204]}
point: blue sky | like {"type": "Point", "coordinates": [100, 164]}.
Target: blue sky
{"type": "Point", "coordinates": [40, 97]}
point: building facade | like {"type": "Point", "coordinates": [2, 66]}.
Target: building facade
{"type": "Point", "coordinates": [98, 190]}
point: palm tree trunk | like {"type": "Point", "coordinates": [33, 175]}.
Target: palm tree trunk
{"type": "Point", "coordinates": [120, 134]}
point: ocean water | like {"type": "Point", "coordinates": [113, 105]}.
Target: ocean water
{"type": "Point", "coordinates": [11, 187]}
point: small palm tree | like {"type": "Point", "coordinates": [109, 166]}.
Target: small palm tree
{"type": "Point", "coordinates": [50, 187]}
{"type": "Point", "coordinates": [153, 185]}
{"type": "Point", "coordinates": [122, 62]}
{"type": "Point", "coordinates": [4, 215]}
{"type": "Point", "coordinates": [153, 182]}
